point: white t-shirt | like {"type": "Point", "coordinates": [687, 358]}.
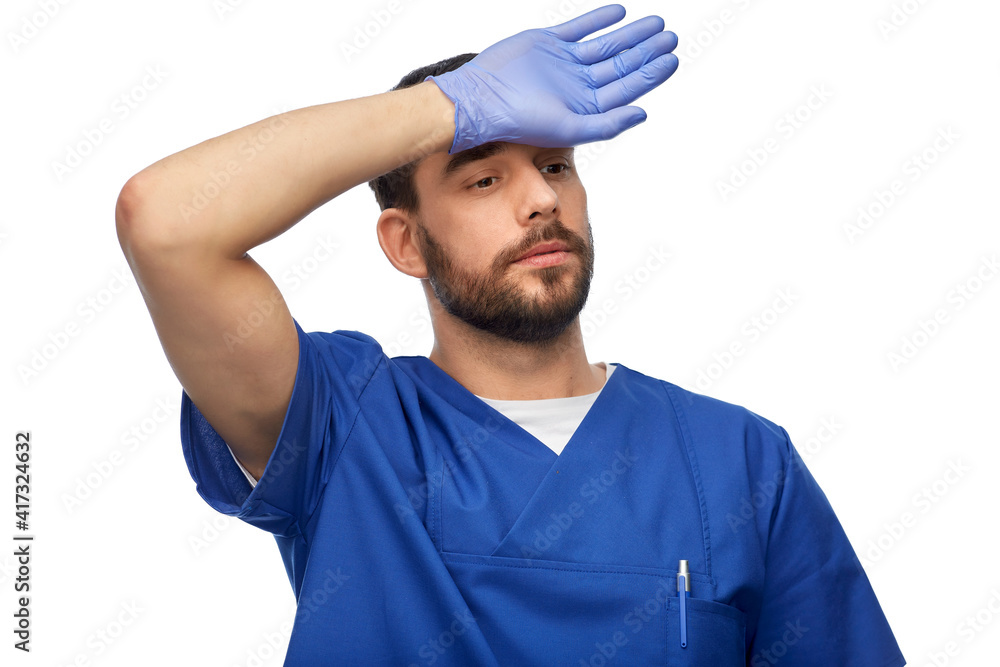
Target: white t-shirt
{"type": "Point", "coordinates": [552, 420]}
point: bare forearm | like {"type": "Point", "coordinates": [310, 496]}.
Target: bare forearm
{"type": "Point", "coordinates": [236, 191]}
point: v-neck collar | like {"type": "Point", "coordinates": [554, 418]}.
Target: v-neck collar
{"type": "Point", "coordinates": [456, 394]}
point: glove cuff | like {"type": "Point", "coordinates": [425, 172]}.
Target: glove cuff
{"type": "Point", "coordinates": [456, 89]}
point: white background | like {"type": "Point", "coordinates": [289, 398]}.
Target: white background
{"type": "Point", "coordinates": [206, 590]}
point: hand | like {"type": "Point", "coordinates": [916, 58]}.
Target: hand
{"type": "Point", "coordinates": [540, 87]}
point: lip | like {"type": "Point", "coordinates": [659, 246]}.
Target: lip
{"type": "Point", "coordinates": [542, 248]}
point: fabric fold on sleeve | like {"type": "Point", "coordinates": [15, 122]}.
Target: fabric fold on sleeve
{"type": "Point", "coordinates": [332, 372]}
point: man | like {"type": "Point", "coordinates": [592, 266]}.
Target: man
{"type": "Point", "coordinates": [502, 501]}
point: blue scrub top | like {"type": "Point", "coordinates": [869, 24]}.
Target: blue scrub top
{"type": "Point", "coordinates": [419, 526]}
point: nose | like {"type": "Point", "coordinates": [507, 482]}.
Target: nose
{"type": "Point", "coordinates": [540, 202]}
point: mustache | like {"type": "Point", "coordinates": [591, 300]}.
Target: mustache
{"type": "Point", "coordinates": [554, 231]}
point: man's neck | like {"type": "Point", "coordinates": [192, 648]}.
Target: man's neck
{"type": "Point", "coordinates": [495, 368]}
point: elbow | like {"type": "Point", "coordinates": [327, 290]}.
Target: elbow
{"type": "Point", "coordinates": [143, 221]}
{"type": "Point", "coordinates": [127, 210]}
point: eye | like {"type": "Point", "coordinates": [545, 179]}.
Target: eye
{"type": "Point", "coordinates": [480, 182]}
{"type": "Point", "coordinates": [561, 168]}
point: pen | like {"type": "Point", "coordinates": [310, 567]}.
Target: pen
{"type": "Point", "coordinates": [683, 591]}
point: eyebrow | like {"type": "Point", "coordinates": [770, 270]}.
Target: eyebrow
{"type": "Point", "coordinates": [474, 154]}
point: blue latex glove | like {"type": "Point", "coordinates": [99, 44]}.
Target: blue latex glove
{"type": "Point", "coordinates": [540, 87]}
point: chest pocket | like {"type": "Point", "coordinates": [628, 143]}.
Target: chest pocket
{"type": "Point", "coordinates": [538, 612]}
{"type": "Point", "coordinates": [715, 634]}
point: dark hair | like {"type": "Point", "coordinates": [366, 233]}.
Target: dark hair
{"type": "Point", "coordinates": [395, 188]}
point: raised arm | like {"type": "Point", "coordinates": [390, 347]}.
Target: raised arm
{"type": "Point", "coordinates": [186, 223]}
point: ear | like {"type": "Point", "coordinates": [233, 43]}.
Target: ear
{"type": "Point", "coordinates": [396, 234]}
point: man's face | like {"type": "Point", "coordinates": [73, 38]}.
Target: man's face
{"type": "Point", "coordinates": [481, 216]}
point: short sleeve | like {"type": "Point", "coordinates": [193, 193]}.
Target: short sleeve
{"type": "Point", "coordinates": [333, 371]}
{"type": "Point", "coordinates": [818, 605]}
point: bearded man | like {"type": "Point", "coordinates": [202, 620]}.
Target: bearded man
{"type": "Point", "coordinates": [502, 501]}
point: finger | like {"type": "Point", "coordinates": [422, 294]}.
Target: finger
{"type": "Point", "coordinates": [638, 83]}
{"type": "Point", "coordinates": [622, 64]}
{"type": "Point", "coordinates": [585, 128]}
{"type": "Point", "coordinates": [605, 46]}
{"type": "Point", "coordinates": [585, 24]}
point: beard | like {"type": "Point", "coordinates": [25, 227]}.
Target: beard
{"type": "Point", "coordinates": [493, 301]}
